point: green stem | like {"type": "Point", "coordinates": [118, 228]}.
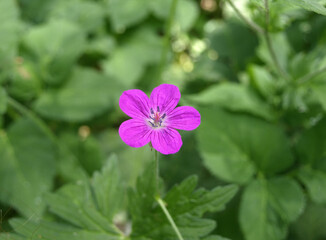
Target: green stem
{"type": "Point", "coordinates": [269, 43]}
{"type": "Point", "coordinates": [169, 217]}
{"type": "Point", "coordinates": [166, 40]}
{"type": "Point", "coordinates": [312, 75]}
{"type": "Point", "coordinates": [251, 24]}
{"type": "Point", "coordinates": [157, 172]}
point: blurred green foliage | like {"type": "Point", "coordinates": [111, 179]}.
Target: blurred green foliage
{"type": "Point", "coordinates": [258, 79]}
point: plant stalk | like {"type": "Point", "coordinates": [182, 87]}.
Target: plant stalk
{"type": "Point", "coordinates": [169, 217]}
{"type": "Point", "coordinates": [157, 172]}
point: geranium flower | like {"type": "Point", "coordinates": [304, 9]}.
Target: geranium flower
{"type": "Point", "coordinates": [155, 119]}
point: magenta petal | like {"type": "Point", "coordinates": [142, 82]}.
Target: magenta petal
{"type": "Point", "coordinates": [135, 103]}
{"type": "Point", "coordinates": [184, 118]}
{"type": "Point", "coordinates": [166, 140]}
{"type": "Point", "coordinates": [135, 133]}
{"type": "Point", "coordinates": [166, 97]}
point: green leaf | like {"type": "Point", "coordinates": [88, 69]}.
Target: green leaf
{"type": "Point", "coordinates": [87, 207]}
{"type": "Point", "coordinates": [263, 81]}
{"type": "Point", "coordinates": [234, 97]}
{"type": "Point", "coordinates": [185, 204]}
{"type": "Point", "coordinates": [234, 146]}
{"type": "Point", "coordinates": [186, 12]}
{"type": "Point", "coordinates": [286, 198]}
{"type": "Point", "coordinates": [311, 146]}
{"type": "Point", "coordinates": [258, 221]}
{"type": "Point", "coordinates": [55, 55]}
{"type": "Point", "coordinates": [24, 83]}
{"type": "Point", "coordinates": [281, 48]}
{"type": "Point", "coordinates": [315, 182]}
{"type": "Point", "coordinates": [224, 37]}
{"type": "Point", "coordinates": [137, 53]}
{"type": "Point", "coordinates": [27, 168]}
{"type": "Point", "coordinates": [267, 207]}
{"type": "Point", "coordinates": [311, 225]}
{"type": "Point", "coordinates": [126, 13]}
{"type": "Point", "coordinates": [55, 231]}
{"type": "Point", "coordinates": [10, 30]}
{"type": "Point", "coordinates": [319, 92]}
{"type": "Point", "coordinates": [215, 237]}
{"type": "Point", "coordinates": [3, 101]}
{"type": "Point", "coordinates": [310, 5]}
{"type": "Point", "coordinates": [86, 95]}
{"type": "Point", "coordinates": [89, 15]}
{"type": "Point", "coordinates": [86, 149]}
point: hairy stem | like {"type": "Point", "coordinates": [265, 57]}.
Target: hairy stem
{"type": "Point", "coordinates": [269, 43]}
{"type": "Point", "coordinates": [310, 76]}
{"type": "Point", "coordinates": [157, 172]}
{"type": "Point", "coordinates": [167, 36]}
{"type": "Point", "coordinates": [161, 202]}
{"type": "Point", "coordinates": [250, 23]}
{"type": "Point", "coordinates": [169, 217]}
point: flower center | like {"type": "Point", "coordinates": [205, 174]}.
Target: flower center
{"type": "Point", "coordinates": [156, 118]}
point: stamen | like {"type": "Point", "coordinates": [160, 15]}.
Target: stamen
{"type": "Point", "coordinates": [163, 116]}
{"type": "Point", "coordinates": [158, 108]}
{"type": "Point", "coordinates": [151, 123]}
{"type": "Point", "coordinates": [152, 112]}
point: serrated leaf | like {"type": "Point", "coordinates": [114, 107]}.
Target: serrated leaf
{"type": "Point", "coordinates": [3, 101]}
{"type": "Point", "coordinates": [55, 55]}
{"type": "Point", "coordinates": [235, 97]}
{"type": "Point", "coordinates": [87, 207]}
{"type": "Point", "coordinates": [268, 206]}
{"type": "Point", "coordinates": [310, 5]}
{"type": "Point", "coordinates": [55, 231]}
{"type": "Point", "coordinates": [86, 95]}
{"type": "Point", "coordinates": [185, 204]}
{"type": "Point", "coordinates": [27, 167]}
{"type": "Point", "coordinates": [233, 145]}
{"type": "Point", "coordinates": [315, 181]}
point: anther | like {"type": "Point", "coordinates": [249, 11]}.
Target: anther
{"type": "Point", "coordinates": [158, 109]}
{"type": "Point", "coordinates": [152, 112]}
{"type": "Point", "coordinates": [151, 123]}
{"type": "Point", "coordinates": [163, 116]}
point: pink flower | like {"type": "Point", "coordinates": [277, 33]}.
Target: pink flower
{"type": "Point", "coordinates": [155, 119]}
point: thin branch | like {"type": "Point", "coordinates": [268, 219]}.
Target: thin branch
{"type": "Point", "coordinates": [310, 76]}
{"type": "Point", "coordinates": [250, 23]}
